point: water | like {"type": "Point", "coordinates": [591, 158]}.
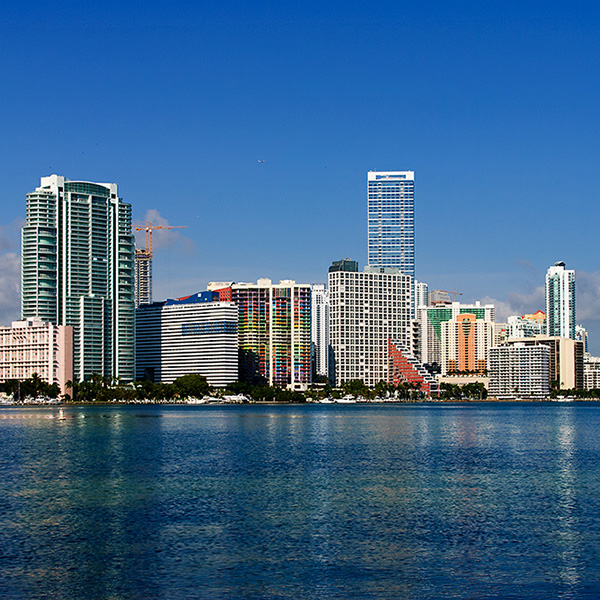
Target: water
{"type": "Point", "coordinates": [278, 502]}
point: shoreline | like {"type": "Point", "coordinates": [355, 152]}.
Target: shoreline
{"type": "Point", "coordinates": [273, 403]}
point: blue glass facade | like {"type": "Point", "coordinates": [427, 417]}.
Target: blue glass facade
{"type": "Point", "coordinates": [391, 220]}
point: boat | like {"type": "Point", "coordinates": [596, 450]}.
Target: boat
{"type": "Point", "coordinates": [347, 399]}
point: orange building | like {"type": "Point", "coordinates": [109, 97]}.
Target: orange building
{"type": "Point", "coordinates": [466, 341]}
{"type": "Point", "coordinates": [538, 316]}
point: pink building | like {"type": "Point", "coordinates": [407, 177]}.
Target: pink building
{"type": "Point", "coordinates": [35, 346]}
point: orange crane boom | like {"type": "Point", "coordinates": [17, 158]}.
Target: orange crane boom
{"type": "Point", "coordinates": [149, 228]}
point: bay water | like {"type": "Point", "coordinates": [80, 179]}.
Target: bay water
{"type": "Point", "coordinates": [483, 500]}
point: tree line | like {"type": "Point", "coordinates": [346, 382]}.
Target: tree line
{"type": "Point", "coordinates": [110, 389]}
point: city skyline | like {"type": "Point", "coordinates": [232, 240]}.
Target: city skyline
{"type": "Point", "coordinates": [494, 110]}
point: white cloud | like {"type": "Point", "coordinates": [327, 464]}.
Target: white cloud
{"type": "Point", "coordinates": [587, 295]}
{"type": "Point", "coordinates": [10, 235]}
{"type": "Point", "coordinates": [10, 287]}
{"type": "Point", "coordinates": [517, 304]}
{"type": "Point", "coordinates": [587, 299]}
{"type": "Point", "coordinates": [161, 238]}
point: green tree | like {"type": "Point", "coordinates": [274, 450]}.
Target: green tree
{"type": "Point", "coordinates": [192, 385]}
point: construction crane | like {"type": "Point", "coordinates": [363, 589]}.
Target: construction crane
{"type": "Point", "coordinates": [449, 292]}
{"type": "Point", "coordinates": [150, 228]}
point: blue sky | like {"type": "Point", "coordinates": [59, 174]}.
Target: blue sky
{"type": "Point", "coordinates": [494, 105]}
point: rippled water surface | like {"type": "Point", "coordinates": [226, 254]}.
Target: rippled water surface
{"type": "Point", "coordinates": [278, 502]}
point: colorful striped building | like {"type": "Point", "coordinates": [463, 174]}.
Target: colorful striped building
{"type": "Point", "coordinates": [273, 330]}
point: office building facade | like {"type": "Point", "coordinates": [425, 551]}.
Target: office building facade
{"type": "Point", "coordinates": [560, 301]}
{"type": "Point", "coordinates": [192, 335]}
{"type": "Point", "coordinates": [77, 270]}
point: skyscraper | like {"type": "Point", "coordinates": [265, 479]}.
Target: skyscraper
{"type": "Point", "coordinates": [560, 301]}
{"type": "Point", "coordinates": [421, 294]}
{"type": "Point", "coordinates": [320, 329]}
{"type": "Point", "coordinates": [428, 346]}
{"type": "Point", "coordinates": [143, 277]}
{"type": "Point", "coordinates": [273, 330]}
{"type": "Point", "coordinates": [391, 220]}
{"type": "Point", "coordinates": [77, 270]}
{"type": "Point", "coordinates": [366, 309]}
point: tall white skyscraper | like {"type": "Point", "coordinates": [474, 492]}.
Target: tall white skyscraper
{"type": "Point", "coordinates": [367, 310]}
{"type": "Point", "coordinates": [421, 294]}
{"type": "Point", "coordinates": [391, 220]}
{"type": "Point", "coordinates": [77, 270]}
{"type": "Point", "coordinates": [560, 301]}
{"type": "Point", "coordinates": [319, 331]}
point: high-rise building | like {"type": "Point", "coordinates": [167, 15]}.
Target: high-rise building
{"type": "Point", "coordinates": [560, 301]}
{"type": "Point", "coordinates": [522, 327]}
{"type": "Point", "coordinates": [591, 372]}
{"type": "Point", "coordinates": [391, 220]}
{"type": "Point", "coordinates": [143, 277]}
{"type": "Point", "coordinates": [566, 359]}
{"type": "Point", "coordinates": [33, 346]}
{"type": "Point", "coordinates": [581, 335]}
{"type": "Point", "coordinates": [465, 343]}
{"type": "Point", "coordinates": [421, 294]}
{"type": "Point", "coordinates": [403, 367]}
{"type": "Point", "coordinates": [192, 335]}
{"type": "Point", "coordinates": [366, 310]}
{"type": "Point", "coordinates": [520, 371]}
{"type": "Point", "coordinates": [77, 270]}
{"type": "Point", "coordinates": [428, 345]}
{"type": "Point", "coordinates": [273, 330]}
{"type": "Point", "coordinates": [320, 329]}
{"type": "Point", "coordinates": [439, 297]}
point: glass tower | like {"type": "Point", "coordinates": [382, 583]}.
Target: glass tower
{"type": "Point", "coordinates": [391, 220]}
{"type": "Point", "coordinates": [560, 301]}
{"type": "Point", "coordinates": [77, 269]}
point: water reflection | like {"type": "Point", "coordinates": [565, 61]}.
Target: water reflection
{"type": "Point", "coordinates": [300, 502]}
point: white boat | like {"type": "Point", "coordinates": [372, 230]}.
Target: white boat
{"type": "Point", "coordinates": [192, 400]}
{"type": "Point", "coordinates": [347, 399]}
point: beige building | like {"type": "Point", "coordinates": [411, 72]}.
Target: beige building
{"type": "Point", "coordinates": [566, 359]}
{"type": "Point", "coordinates": [35, 346]}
